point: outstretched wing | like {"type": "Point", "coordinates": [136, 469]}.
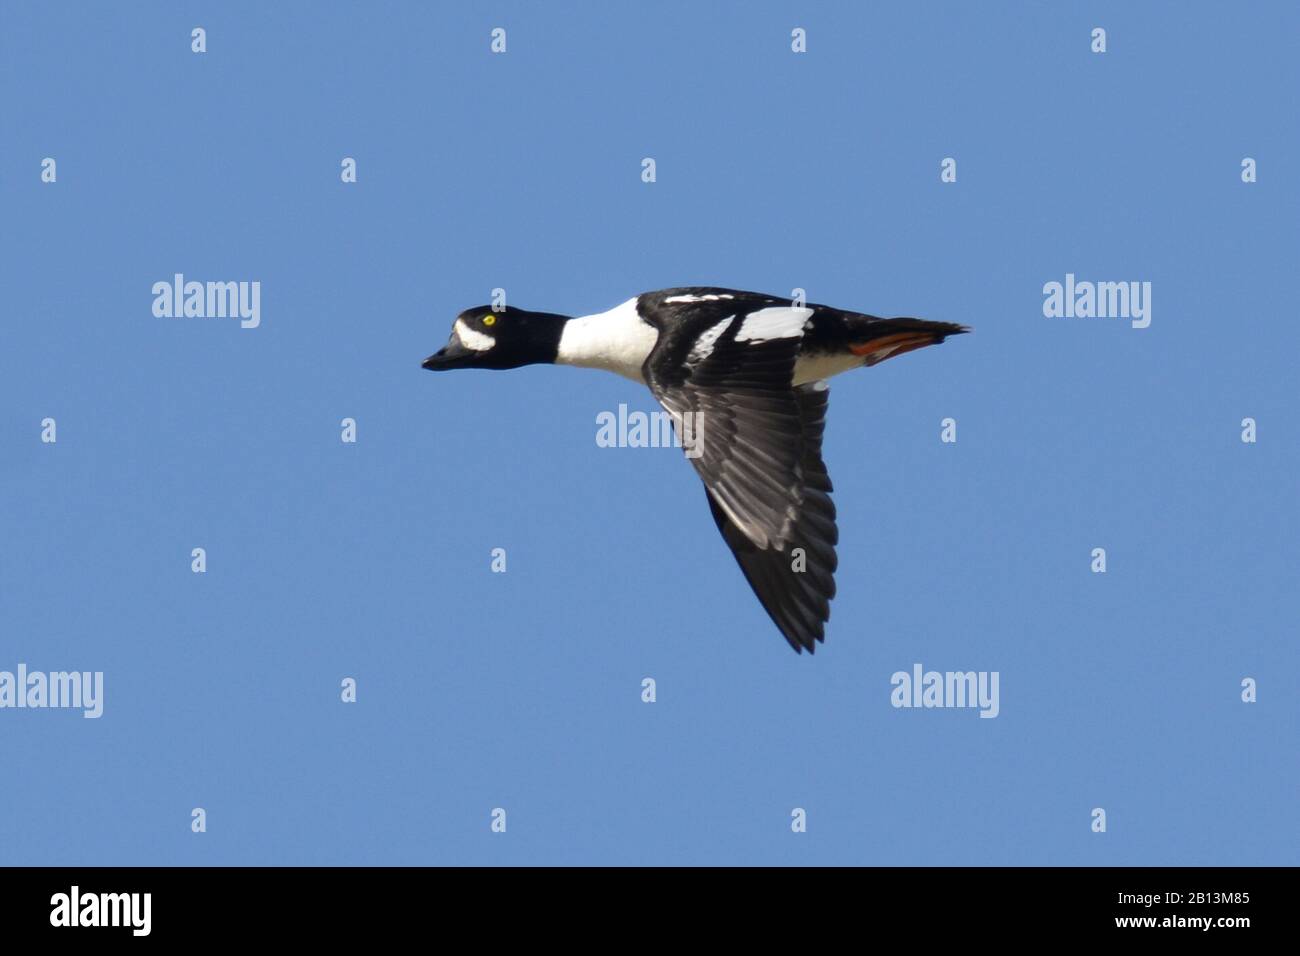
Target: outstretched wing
{"type": "Point", "coordinates": [755, 441]}
{"type": "Point", "coordinates": [795, 583]}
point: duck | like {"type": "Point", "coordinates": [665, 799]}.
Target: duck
{"type": "Point", "coordinates": [744, 376]}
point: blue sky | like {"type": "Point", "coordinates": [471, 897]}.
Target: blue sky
{"type": "Point", "coordinates": [522, 690]}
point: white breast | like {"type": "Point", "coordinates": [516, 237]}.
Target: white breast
{"type": "Point", "coordinates": [618, 341]}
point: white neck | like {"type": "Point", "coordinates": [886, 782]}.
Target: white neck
{"type": "Point", "coordinates": [618, 341]}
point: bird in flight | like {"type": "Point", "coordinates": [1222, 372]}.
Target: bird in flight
{"type": "Point", "coordinates": [744, 376]}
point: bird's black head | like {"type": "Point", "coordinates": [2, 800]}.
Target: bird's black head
{"type": "Point", "coordinates": [502, 338]}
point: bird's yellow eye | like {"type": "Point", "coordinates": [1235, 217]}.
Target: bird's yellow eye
{"type": "Point", "coordinates": [489, 319]}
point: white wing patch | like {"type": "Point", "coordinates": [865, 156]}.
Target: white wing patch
{"type": "Point", "coordinates": [778, 322]}
{"type": "Point", "coordinates": [703, 346]}
{"type": "Point", "coordinates": [472, 338]}
{"type": "Point", "coordinates": [711, 297]}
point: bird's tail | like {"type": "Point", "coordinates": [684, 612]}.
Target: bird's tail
{"type": "Point", "coordinates": [885, 338]}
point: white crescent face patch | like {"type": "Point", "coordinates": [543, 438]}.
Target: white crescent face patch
{"type": "Point", "coordinates": [472, 338]}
